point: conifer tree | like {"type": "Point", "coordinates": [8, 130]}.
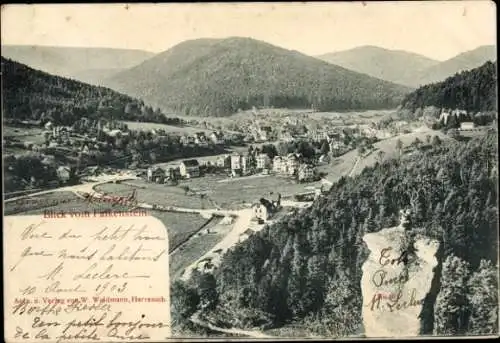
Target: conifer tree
{"type": "Point", "coordinates": [483, 298]}
{"type": "Point", "coordinates": [451, 309]}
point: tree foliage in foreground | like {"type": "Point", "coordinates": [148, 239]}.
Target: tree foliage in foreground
{"type": "Point", "coordinates": [306, 268]}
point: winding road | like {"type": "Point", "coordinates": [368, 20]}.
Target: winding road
{"type": "Point", "coordinates": [233, 331]}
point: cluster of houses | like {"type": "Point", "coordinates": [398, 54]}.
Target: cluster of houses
{"type": "Point", "coordinates": [201, 139]}
{"type": "Point", "coordinates": [59, 136]}
{"type": "Point", "coordinates": [187, 169]}
{"type": "Point", "coordinates": [460, 116]}
{"type": "Point", "coordinates": [261, 133]}
{"type": "Point", "coordinates": [239, 165]}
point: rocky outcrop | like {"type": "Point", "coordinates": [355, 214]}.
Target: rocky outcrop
{"type": "Point", "coordinates": [397, 278]}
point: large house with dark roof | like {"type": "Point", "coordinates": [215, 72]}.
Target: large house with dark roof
{"type": "Point", "coordinates": [189, 168]}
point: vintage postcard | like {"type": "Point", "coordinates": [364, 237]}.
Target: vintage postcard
{"type": "Point", "coordinates": [262, 171]}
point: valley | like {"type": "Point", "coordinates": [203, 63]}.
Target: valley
{"type": "Point", "coordinates": [319, 173]}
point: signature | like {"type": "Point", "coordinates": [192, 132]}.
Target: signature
{"type": "Point", "coordinates": [394, 301]}
{"type": "Point", "coordinates": [385, 258]}
{"type": "Point", "coordinates": [379, 278]}
{"type": "Point", "coordinates": [93, 273]}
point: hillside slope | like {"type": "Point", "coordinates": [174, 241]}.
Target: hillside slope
{"type": "Point", "coordinates": [473, 90]}
{"type": "Point", "coordinates": [464, 61]}
{"type": "Point", "coordinates": [214, 77]}
{"type": "Point", "coordinates": [32, 94]}
{"type": "Point", "coordinates": [78, 63]}
{"type": "Point", "coordinates": [397, 66]}
{"type": "Point", "coordinates": [306, 269]}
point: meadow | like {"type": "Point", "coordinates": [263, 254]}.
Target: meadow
{"type": "Point", "coordinates": [234, 193]}
{"type": "Point", "coordinates": [388, 147]}
{"type": "Point", "coordinates": [25, 134]}
{"type": "Point", "coordinates": [218, 191]}
{"type": "Point", "coordinates": [16, 136]}
{"type": "Point", "coordinates": [30, 205]}
{"type": "Point", "coordinates": [197, 246]}
{"type": "Point", "coordinates": [132, 125]}
{"type": "Point", "coordinates": [180, 226]}
{"type": "Point", "coordinates": [153, 193]}
{"type": "Point", "coordinates": [348, 164]}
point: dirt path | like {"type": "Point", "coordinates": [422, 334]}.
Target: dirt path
{"type": "Point", "coordinates": [85, 187]}
{"type": "Point", "coordinates": [240, 225]}
{"type": "Point", "coordinates": [243, 178]}
{"type": "Point", "coordinates": [248, 333]}
{"type": "Point", "coordinates": [354, 166]}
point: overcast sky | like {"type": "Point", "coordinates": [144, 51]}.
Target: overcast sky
{"type": "Point", "coordinates": [435, 29]}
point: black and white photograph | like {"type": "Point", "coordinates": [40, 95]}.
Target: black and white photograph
{"type": "Point", "coordinates": [312, 170]}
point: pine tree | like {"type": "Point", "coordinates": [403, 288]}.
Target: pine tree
{"type": "Point", "coordinates": [451, 308]}
{"type": "Point", "coordinates": [483, 297]}
{"type": "Point", "coordinates": [370, 225]}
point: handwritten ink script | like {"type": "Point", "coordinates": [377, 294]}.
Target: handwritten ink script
{"type": "Point", "coordinates": [395, 284]}
{"type": "Point", "coordinates": [112, 199]}
{"type": "Point", "coordinates": [85, 279]}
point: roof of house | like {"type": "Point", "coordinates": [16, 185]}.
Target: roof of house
{"type": "Point", "coordinates": [191, 163]}
{"type": "Point", "coordinates": [248, 231]}
{"type": "Point", "coordinates": [158, 170]}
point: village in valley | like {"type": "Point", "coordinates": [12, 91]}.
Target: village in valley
{"type": "Point", "coordinates": [279, 164]}
{"type": "Point", "coordinates": [248, 170]}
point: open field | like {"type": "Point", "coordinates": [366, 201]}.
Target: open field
{"type": "Point", "coordinates": [179, 225]}
{"type": "Point", "coordinates": [346, 165]}
{"type": "Point", "coordinates": [197, 246]}
{"type": "Point", "coordinates": [362, 117]}
{"type": "Point", "coordinates": [132, 125]}
{"type": "Point", "coordinates": [24, 134]}
{"type": "Point", "coordinates": [233, 193]}
{"type": "Point", "coordinates": [227, 193]}
{"type": "Point", "coordinates": [20, 135]}
{"type": "Point", "coordinates": [153, 193]}
{"type": "Point", "coordinates": [388, 147]}
{"type": "Point", "coordinates": [40, 202]}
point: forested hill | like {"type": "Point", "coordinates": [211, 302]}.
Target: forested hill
{"type": "Point", "coordinates": [473, 90]}
{"type": "Point", "coordinates": [215, 77]}
{"type": "Point", "coordinates": [32, 94]}
{"type": "Point", "coordinates": [89, 65]}
{"type": "Point", "coordinates": [397, 66]}
{"type": "Point", "coordinates": [464, 61]}
{"type": "Point", "coordinates": [306, 269]}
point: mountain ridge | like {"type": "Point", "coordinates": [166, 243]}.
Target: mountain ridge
{"type": "Point", "coordinates": [386, 64]}
{"type": "Point", "coordinates": [34, 94]}
{"type": "Point", "coordinates": [408, 68]}
{"type": "Point", "coordinates": [472, 90]}
{"type": "Point", "coordinates": [220, 76]}
{"type": "Point", "coordinates": [74, 62]}
{"type": "Point", "coordinates": [465, 61]}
